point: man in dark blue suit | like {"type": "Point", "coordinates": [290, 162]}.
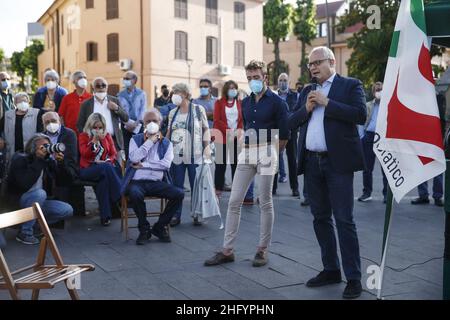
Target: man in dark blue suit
{"type": "Point", "coordinates": [330, 151]}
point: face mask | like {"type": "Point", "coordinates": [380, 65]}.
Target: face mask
{"type": "Point", "coordinates": [53, 128]}
{"type": "Point", "coordinates": [51, 85]}
{"type": "Point", "coordinates": [101, 95]}
{"type": "Point", "coordinates": [378, 95]}
{"type": "Point", "coordinates": [232, 93]}
{"type": "Point", "coordinates": [5, 85]}
{"type": "Point", "coordinates": [256, 86]}
{"type": "Point", "coordinates": [177, 99]}
{"type": "Point", "coordinates": [127, 83]}
{"type": "Point", "coordinates": [283, 86]}
{"type": "Point", "coordinates": [82, 83]}
{"type": "Point", "coordinates": [23, 106]}
{"type": "Point", "coordinates": [204, 92]}
{"type": "Point", "coordinates": [152, 128]}
{"type": "Point", "coordinates": [96, 133]}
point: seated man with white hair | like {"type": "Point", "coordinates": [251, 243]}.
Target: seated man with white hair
{"type": "Point", "coordinates": [49, 97]}
{"type": "Point", "coordinates": [150, 158]}
{"type": "Point", "coordinates": [109, 107]}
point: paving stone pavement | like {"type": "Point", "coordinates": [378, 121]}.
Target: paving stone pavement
{"type": "Point", "coordinates": [174, 271]}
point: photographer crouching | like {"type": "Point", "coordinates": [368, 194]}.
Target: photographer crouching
{"type": "Point", "coordinates": [30, 176]}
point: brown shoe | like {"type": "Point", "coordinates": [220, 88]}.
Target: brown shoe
{"type": "Point", "coordinates": [260, 259]}
{"type": "Point", "coordinates": [219, 258]}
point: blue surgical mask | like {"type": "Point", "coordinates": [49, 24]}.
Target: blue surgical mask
{"type": "Point", "coordinates": [5, 85]}
{"type": "Point", "coordinates": [256, 86]}
{"type": "Point", "coordinates": [127, 83]}
{"type": "Point", "coordinates": [283, 86]}
{"type": "Point", "coordinates": [232, 93]}
{"type": "Point", "coordinates": [204, 92]}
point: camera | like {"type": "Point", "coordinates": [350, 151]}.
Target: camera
{"type": "Point", "coordinates": [55, 148]}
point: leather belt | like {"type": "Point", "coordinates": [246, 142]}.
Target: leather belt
{"type": "Point", "coordinates": [318, 154]}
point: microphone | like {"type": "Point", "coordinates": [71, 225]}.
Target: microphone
{"type": "Point", "coordinates": [314, 83]}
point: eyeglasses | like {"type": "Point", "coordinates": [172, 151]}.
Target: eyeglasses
{"type": "Point", "coordinates": [100, 86]}
{"type": "Point", "coordinates": [316, 63]}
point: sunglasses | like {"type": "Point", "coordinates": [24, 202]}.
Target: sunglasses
{"type": "Point", "coordinates": [100, 86]}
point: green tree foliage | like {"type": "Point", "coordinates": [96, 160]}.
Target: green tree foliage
{"type": "Point", "coordinates": [277, 26]}
{"type": "Point", "coordinates": [2, 55]}
{"type": "Point", "coordinates": [371, 47]}
{"type": "Point", "coordinates": [26, 63]}
{"type": "Point", "coordinates": [304, 20]}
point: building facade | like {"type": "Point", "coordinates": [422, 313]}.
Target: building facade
{"type": "Point", "coordinates": [163, 41]}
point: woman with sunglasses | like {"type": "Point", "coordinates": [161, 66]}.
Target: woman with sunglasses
{"type": "Point", "coordinates": [97, 156]}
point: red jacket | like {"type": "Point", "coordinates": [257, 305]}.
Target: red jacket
{"type": "Point", "coordinates": [220, 119]}
{"type": "Point", "coordinates": [87, 154]}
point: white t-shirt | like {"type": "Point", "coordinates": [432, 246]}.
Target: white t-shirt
{"type": "Point", "coordinates": [102, 108]}
{"type": "Point", "coordinates": [232, 116]}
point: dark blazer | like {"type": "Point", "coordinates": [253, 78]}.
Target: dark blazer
{"type": "Point", "coordinates": [69, 172]}
{"type": "Point", "coordinates": [87, 108]}
{"type": "Point", "coordinates": [41, 94]}
{"type": "Point", "coordinates": [346, 109]}
{"type": "Point", "coordinates": [291, 100]}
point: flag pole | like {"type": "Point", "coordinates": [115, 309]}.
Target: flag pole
{"type": "Point", "coordinates": [386, 233]}
{"type": "Point", "coordinates": [446, 276]}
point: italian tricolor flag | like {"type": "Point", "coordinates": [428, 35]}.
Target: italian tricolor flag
{"type": "Point", "coordinates": [409, 140]}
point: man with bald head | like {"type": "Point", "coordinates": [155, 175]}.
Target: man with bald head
{"type": "Point", "coordinates": [330, 151]}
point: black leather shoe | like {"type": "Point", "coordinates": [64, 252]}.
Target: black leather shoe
{"type": "Point", "coordinates": [143, 237]}
{"type": "Point", "coordinates": [325, 278]}
{"type": "Point", "coordinates": [174, 222]}
{"type": "Point", "coordinates": [106, 222]}
{"type": "Point", "coordinates": [161, 234]}
{"type": "Point", "coordinates": [353, 290]}
{"type": "Point", "coordinates": [295, 193]}
{"type": "Point", "coordinates": [305, 203]}
{"type": "Point", "coordinates": [438, 202]}
{"type": "Point", "coordinates": [420, 201]}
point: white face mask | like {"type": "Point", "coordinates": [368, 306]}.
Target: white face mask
{"type": "Point", "coordinates": [152, 128]}
{"type": "Point", "coordinates": [378, 95]}
{"type": "Point", "coordinates": [101, 95]}
{"type": "Point", "coordinates": [51, 85]}
{"type": "Point", "coordinates": [127, 83]}
{"type": "Point", "coordinates": [82, 83]}
{"type": "Point", "coordinates": [177, 99]}
{"type": "Point", "coordinates": [23, 106]}
{"type": "Point", "coordinates": [53, 127]}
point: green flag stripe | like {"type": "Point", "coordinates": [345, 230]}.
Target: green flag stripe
{"type": "Point", "coordinates": [418, 15]}
{"type": "Point", "coordinates": [394, 44]}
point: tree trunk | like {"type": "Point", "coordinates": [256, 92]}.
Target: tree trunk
{"type": "Point", "coordinates": [277, 59]}
{"type": "Point", "coordinates": [303, 68]}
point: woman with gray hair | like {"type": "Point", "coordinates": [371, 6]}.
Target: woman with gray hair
{"type": "Point", "coordinates": [49, 97]}
{"type": "Point", "coordinates": [20, 125]}
{"type": "Point", "coordinates": [97, 156]}
{"type": "Point", "coordinates": [189, 132]}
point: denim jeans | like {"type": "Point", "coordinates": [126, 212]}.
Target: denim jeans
{"type": "Point", "coordinates": [331, 194]}
{"type": "Point", "coordinates": [108, 187]}
{"type": "Point", "coordinates": [438, 188]}
{"type": "Point", "coordinates": [53, 210]}
{"type": "Point", "coordinates": [178, 172]}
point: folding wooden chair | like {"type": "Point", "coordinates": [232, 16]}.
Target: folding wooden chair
{"type": "Point", "coordinates": [43, 276]}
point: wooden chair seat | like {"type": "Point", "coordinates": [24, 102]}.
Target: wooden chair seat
{"type": "Point", "coordinates": [42, 276]}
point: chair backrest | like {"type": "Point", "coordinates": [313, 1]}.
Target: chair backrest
{"type": "Point", "coordinates": [15, 218]}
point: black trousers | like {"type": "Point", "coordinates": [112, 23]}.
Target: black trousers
{"type": "Point", "coordinates": [291, 152]}
{"type": "Point", "coordinates": [221, 163]}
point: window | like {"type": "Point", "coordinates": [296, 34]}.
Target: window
{"type": "Point", "coordinates": [91, 51]}
{"type": "Point", "coordinates": [211, 50]}
{"type": "Point", "coordinates": [211, 11]}
{"type": "Point", "coordinates": [112, 9]}
{"type": "Point", "coordinates": [89, 4]}
{"type": "Point", "coordinates": [113, 47]}
{"type": "Point", "coordinates": [239, 15]}
{"type": "Point", "coordinates": [181, 9]}
{"type": "Point", "coordinates": [181, 46]}
{"type": "Point", "coordinates": [322, 29]}
{"type": "Point", "coordinates": [62, 25]}
{"type": "Point", "coordinates": [53, 35]}
{"type": "Point", "coordinates": [239, 54]}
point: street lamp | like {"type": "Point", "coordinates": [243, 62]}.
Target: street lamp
{"type": "Point", "coordinates": [189, 64]}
